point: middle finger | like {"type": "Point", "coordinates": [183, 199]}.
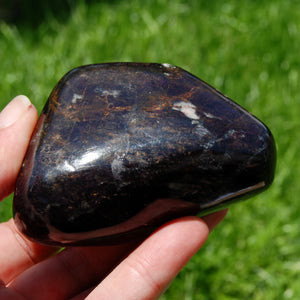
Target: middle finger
{"type": "Point", "coordinates": [69, 272]}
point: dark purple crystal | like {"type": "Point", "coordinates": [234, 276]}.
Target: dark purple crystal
{"type": "Point", "coordinates": [121, 148]}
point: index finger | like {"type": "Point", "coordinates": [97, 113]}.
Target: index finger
{"type": "Point", "coordinates": [17, 121]}
{"type": "Point", "coordinates": [17, 253]}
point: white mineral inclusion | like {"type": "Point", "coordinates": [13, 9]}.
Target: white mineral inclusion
{"type": "Point", "coordinates": [76, 97]}
{"type": "Point", "coordinates": [187, 108]}
{"type": "Point", "coordinates": [104, 92]}
{"type": "Point", "coordinates": [113, 93]}
{"type": "Point", "coordinates": [117, 168]}
{"type": "Point", "coordinates": [211, 116]}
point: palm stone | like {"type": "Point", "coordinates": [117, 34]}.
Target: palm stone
{"type": "Point", "coordinates": [121, 148]}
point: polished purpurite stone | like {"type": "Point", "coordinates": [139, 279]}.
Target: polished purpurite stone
{"type": "Point", "coordinates": [121, 148]}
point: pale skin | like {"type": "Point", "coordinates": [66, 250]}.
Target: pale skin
{"type": "Point", "coordinates": [136, 270]}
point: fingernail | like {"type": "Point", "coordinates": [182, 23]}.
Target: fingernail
{"type": "Point", "coordinates": [14, 110]}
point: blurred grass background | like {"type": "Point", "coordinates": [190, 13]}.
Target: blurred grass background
{"type": "Point", "coordinates": [249, 50]}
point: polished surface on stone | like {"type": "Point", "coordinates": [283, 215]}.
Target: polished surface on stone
{"type": "Point", "coordinates": [121, 148]}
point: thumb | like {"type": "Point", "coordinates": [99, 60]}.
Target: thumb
{"type": "Point", "coordinates": [17, 121]}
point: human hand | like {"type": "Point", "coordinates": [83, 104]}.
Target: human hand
{"type": "Point", "coordinates": [133, 270]}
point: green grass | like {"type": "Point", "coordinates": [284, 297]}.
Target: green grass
{"type": "Point", "coordinates": [249, 50]}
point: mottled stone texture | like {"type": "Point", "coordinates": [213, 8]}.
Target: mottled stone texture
{"type": "Point", "coordinates": [121, 148]}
